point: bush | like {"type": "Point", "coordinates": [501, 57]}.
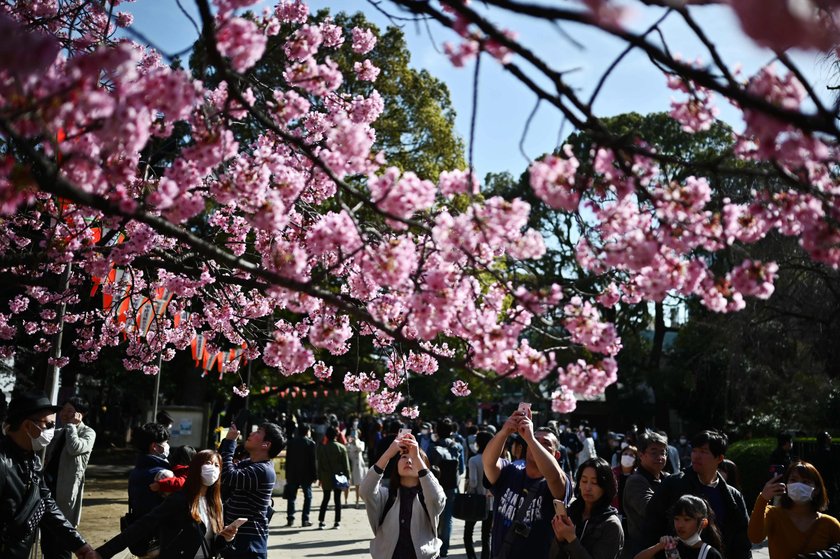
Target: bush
{"type": "Point", "coordinates": [751, 456]}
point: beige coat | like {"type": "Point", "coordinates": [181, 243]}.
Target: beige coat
{"type": "Point", "coordinates": [71, 468]}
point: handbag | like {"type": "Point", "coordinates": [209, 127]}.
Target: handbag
{"type": "Point", "coordinates": [148, 548]}
{"type": "Point", "coordinates": [471, 507]}
{"type": "Point", "coordinates": [340, 481]}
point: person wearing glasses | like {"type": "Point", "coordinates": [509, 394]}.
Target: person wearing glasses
{"type": "Point", "coordinates": [703, 480]}
{"type": "Point", "coordinates": [640, 486]}
{"type": "Point", "coordinates": [26, 503]}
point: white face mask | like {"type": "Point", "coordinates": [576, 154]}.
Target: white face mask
{"type": "Point", "coordinates": [209, 474]}
{"type": "Point", "coordinates": [164, 450]}
{"type": "Point", "coordinates": [693, 540]}
{"type": "Point", "coordinates": [627, 461]}
{"type": "Point", "coordinates": [799, 492]}
{"type": "Point", "coordinates": [43, 440]}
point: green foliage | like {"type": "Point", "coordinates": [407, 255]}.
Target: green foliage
{"type": "Point", "coordinates": [771, 366]}
{"type": "Point", "coordinates": [751, 456]}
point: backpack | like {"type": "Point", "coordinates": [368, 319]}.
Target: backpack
{"type": "Point", "coordinates": [445, 464]}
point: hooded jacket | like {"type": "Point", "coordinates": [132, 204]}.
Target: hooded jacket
{"type": "Point", "coordinates": [599, 537]}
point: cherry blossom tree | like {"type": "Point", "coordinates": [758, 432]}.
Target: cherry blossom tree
{"type": "Point", "coordinates": [289, 246]}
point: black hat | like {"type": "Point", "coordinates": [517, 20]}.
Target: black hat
{"type": "Point", "coordinates": [30, 403]}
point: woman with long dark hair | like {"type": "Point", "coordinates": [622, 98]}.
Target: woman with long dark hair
{"type": "Point", "coordinates": [591, 529]}
{"type": "Point", "coordinates": [404, 514]}
{"type": "Point", "coordinates": [188, 523]}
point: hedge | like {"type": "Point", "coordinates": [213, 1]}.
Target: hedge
{"type": "Point", "coordinates": [752, 457]}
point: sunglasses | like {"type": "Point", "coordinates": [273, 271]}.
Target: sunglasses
{"type": "Point", "coordinates": [44, 425]}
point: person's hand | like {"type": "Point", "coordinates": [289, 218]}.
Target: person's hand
{"type": "Point", "coordinates": [773, 488]}
{"type": "Point", "coordinates": [512, 423]}
{"type": "Point", "coordinates": [154, 487]}
{"type": "Point", "coordinates": [87, 552]}
{"type": "Point", "coordinates": [229, 532]}
{"type": "Point", "coordinates": [395, 448]}
{"type": "Point", "coordinates": [564, 528]}
{"type": "Point", "coordinates": [233, 433]}
{"type": "Point", "coordinates": [409, 445]}
{"type": "Point", "coordinates": [666, 542]}
{"type": "Point", "coordinates": [526, 429]}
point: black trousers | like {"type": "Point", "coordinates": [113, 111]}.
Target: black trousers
{"type": "Point", "coordinates": [326, 501]}
{"type": "Point", "coordinates": [486, 527]}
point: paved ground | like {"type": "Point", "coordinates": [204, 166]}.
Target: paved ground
{"type": "Point", "coordinates": [352, 540]}
{"type": "Point", "coordinates": [105, 502]}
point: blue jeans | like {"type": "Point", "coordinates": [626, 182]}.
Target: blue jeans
{"type": "Point", "coordinates": [445, 525]}
{"type": "Point", "coordinates": [307, 501]}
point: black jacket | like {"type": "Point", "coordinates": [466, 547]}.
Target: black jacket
{"type": "Point", "coordinates": [179, 534]}
{"type": "Point", "coordinates": [300, 461]}
{"type": "Point", "coordinates": [600, 537]}
{"type": "Point", "coordinates": [736, 544]}
{"type": "Point", "coordinates": [16, 468]}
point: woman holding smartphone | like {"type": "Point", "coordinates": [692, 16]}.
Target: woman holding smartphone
{"type": "Point", "coordinates": [404, 514]}
{"type": "Point", "coordinates": [188, 523]}
{"type": "Point", "coordinates": [797, 526]}
{"type": "Point", "coordinates": [591, 529]}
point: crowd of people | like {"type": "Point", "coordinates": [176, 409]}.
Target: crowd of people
{"type": "Point", "coordinates": [183, 502]}
{"type": "Point", "coordinates": [557, 492]}
{"type": "Point", "coordinates": [545, 491]}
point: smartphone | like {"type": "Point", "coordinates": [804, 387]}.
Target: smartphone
{"type": "Point", "coordinates": [777, 470]}
{"type": "Point", "coordinates": [559, 507]}
{"type": "Point", "coordinates": [403, 432]}
{"type": "Point", "coordinates": [238, 522]}
{"type": "Point", "coordinates": [525, 407]}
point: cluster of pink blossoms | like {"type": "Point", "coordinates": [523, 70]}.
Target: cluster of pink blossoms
{"type": "Point", "coordinates": [280, 237]}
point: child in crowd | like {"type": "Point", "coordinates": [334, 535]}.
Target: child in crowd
{"type": "Point", "coordinates": [179, 458]}
{"type": "Point", "coordinates": [697, 535]}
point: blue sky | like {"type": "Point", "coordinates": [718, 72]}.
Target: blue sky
{"type": "Point", "coordinates": [504, 104]}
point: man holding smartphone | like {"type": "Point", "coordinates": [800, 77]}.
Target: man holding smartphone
{"type": "Point", "coordinates": [524, 492]}
{"type": "Point", "coordinates": [251, 482]}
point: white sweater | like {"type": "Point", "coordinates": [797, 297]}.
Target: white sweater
{"type": "Point", "coordinates": [423, 528]}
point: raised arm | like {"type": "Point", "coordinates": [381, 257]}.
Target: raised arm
{"type": "Point", "coordinates": [545, 460]}
{"type": "Point", "coordinates": [492, 457]}
{"type": "Point", "coordinates": [250, 477]}
{"type": "Point", "coordinates": [76, 443]}
{"type": "Point", "coordinates": [756, 529]}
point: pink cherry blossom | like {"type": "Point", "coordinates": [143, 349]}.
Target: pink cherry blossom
{"type": "Point", "coordinates": [384, 402]}
{"type": "Point", "coordinates": [460, 389]}
{"type": "Point", "coordinates": [240, 40]}
{"type": "Point", "coordinates": [322, 371]}
{"type": "Point", "coordinates": [457, 182]}
{"type": "Point", "coordinates": [411, 412]}
{"type": "Point", "coordinates": [363, 40]}
{"type": "Point", "coordinates": [366, 71]}
{"type": "Point", "coordinates": [563, 401]}
{"type": "Point", "coordinates": [553, 180]}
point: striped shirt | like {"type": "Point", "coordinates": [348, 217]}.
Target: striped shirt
{"type": "Point", "coordinates": [251, 484]}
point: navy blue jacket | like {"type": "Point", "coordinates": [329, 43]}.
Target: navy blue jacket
{"type": "Point", "coordinates": [141, 499]}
